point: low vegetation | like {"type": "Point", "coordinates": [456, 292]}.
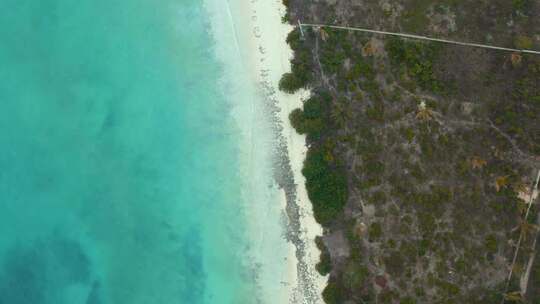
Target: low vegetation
{"type": "Point", "coordinates": [419, 152]}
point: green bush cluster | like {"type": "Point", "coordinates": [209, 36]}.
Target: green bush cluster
{"type": "Point", "coordinates": [395, 263]}
{"type": "Point", "coordinates": [360, 69]}
{"type": "Point", "coordinates": [415, 17]}
{"type": "Point", "coordinates": [407, 300]}
{"type": "Point", "coordinates": [523, 42]}
{"type": "Point", "coordinates": [332, 293]}
{"type": "Point", "coordinates": [376, 112]}
{"type": "Point", "coordinates": [418, 59]}
{"type": "Point", "coordinates": [491, 243]}
{"type": "Point", "coordinates": [354, 275]}
{"type": "Point", "coordinates": [290, 83]}
{"type": "Point", "coordinates": [325, 264]}
{"type": "Point", "coordinates": [375, 231]}
{"type": "Point", "coordinates": [333, 51]}
{"type": "Point", "coordinates": [312, 119]}
{"type": "Point", "coordinates": [326, 185]}
{"type": "Point", "coordinates": [301, 73]}
{"type": "Point", "coordinates": [326, 182]}
{"type": "Point", "coordinates": [520, 5]}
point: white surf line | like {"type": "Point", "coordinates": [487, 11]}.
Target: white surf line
{"type": "Point", "coordinates": [411, 36]}
{"type": "Point", "coordinates": [233, 27]}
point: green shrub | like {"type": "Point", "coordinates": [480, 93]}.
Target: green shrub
{"type": "Point", "coordinates": [294, 39]}
{"type": "Point", "coordinates": [520, 5]}
{"type": "Point", "coordinates": [423, 246]}
{"type": "Point", "coordinates": [354, 275]}
{"type": "Point", "coordinates": [491, 243]}
{"type": "Point", "coordinates": [312, 120]}
{"type": "Point", "coordinates": [418, 59]}
{"type": "Point", "coordinates": [297, 120]}
{"type": "Point", "coordinates": [315, 107]}
{"type": "Point", "coordinates": [361, 69]}
{"type": "Point", "coordinates": [326, 185]}
{"type": "Point", "coordinates": [332, 294]}
{"type": "Point", "coordinates": [387, 296]}
{"type": "Point", "coordinates": [290, 83]}
{"type": "Point", "coordinates": [448, 288]}
{"type": "Point", "coordinates": [377, 198]}
{"type": "Point", "coordinates": [374, 167]}
{"type": "Point", "coordinates": [376, 112]}
{"type": "Point", "coordinates": [408, 133]}
{"type": "Point", "coordinates": [416, 20]}
{"type": "Point", "coordinates": [523, 42]}
{"type": "Point", "coordinates": [375, 231]}
{"type": "Point", "coordinates": [305, 125]}
{"type": "Point", "coordinates": [324, 266]}
{"type": "Point", "coordinates": [407, 300]}
{"type": "Point", "coordinates": [301, 73]}
{"type": "Point", "coordinates": [332, 52]}
{"type": "Point", "coordinates": [426, 223]}
{"type": "Point", "coordinates": [332, 60]}
{"type": "Point", "coordinates": [394, 263]}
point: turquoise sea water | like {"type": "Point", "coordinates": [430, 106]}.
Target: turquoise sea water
{"type": "Point", "coordinates": [119, 160]}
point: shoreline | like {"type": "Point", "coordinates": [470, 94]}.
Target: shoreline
{"type": "Point", "coordinates": [269, 56]}
{"type": "Point", "coordinates": [251, 44]}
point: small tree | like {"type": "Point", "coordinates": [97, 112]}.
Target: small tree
{"type": "Point", "coordinates": [332, 294]}
{"type": "Point", "coordinates": [289, 83]}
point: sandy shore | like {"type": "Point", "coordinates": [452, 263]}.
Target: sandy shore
{"type": "Point", "coordinates": [252, 30]}
{"type": "Point", "coordinates": [269, 55]}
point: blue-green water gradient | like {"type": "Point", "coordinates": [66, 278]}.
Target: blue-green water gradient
{"type": "Point", "coordinates": [118, 161]}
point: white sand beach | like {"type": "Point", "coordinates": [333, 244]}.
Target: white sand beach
{"type": "Point", "coordinates": [259, 38]}
{"type": "Point", "coordinates": [269, 55]}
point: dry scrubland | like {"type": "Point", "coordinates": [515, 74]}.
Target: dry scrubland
{"type": "Point", "coordinates": [421, 155]}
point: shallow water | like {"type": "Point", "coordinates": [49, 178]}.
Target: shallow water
{"type": "Point", "coordinates": [119, 170]}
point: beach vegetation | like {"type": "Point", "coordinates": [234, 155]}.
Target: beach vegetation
{"type": "Point", "coordinates": [312, 119]}
{"type": "Point", "coordinates": [301, 65]}
{"type": "Point", "coordinates": [290, 83]}
{"type": "Point", "coordinates": [332, 293]}
{"type": "Point", "coordinates": [326, 185]}
{"type": "Point", "coordinates": [324, 266]}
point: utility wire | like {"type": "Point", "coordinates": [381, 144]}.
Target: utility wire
{"type": "Point", "coordinates": [411, 36]}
